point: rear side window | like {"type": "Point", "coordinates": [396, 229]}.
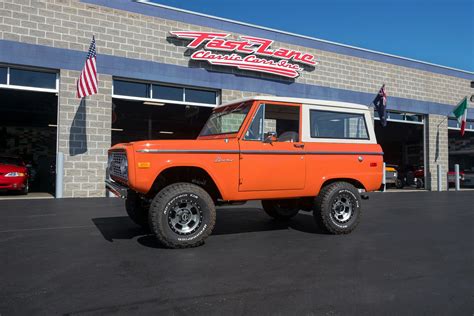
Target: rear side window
{"type": "Point", "coordinates": [337, 125]}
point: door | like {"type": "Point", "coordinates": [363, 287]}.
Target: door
{"type": "Point", "coordinates": [271, 152]}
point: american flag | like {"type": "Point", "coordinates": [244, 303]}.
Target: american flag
{"type": "Point", "coordinates": [380, 103]}
{"type": "Point", "coordinates": [87, 83]}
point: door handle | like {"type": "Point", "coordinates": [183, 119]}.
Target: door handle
{"type": "Point", "coordinates": [299, 145]}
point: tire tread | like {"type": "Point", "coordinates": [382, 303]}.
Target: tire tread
{"type": "Point", "coordinates": [159, 202]}
{"type": "Point", "coordinates": [322, 202]}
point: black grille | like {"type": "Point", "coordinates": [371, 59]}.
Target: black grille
{"type": "Point", "coordinates": [117, 163]}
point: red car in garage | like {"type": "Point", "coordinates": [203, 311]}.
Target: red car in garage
{"type": "Point", "coordinates": [13, 175]}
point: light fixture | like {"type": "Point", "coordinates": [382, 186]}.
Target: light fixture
{"type": "Point", "coordinates": [166, 132]}
{"type": "Point", "coordinates": [153, 103]}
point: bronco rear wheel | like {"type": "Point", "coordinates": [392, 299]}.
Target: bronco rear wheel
{"type": "Point", "coordinates": [281, 209]}
{"type": "Point", "coordinates": [182, 215]}
{"type": "Point", "coordinates": [337, 208]}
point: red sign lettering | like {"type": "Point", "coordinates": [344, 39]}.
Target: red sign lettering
{"type": "Point", "coordinates": [252, 47]}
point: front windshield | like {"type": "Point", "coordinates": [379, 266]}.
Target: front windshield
{"type": "Point", "coordinates": [226, 120]}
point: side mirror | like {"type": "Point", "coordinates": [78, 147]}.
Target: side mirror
{"type": "Point", "coordinates": [270, 137]}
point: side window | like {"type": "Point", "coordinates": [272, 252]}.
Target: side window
{"type": "Point", "coordinates": [340, 125]}
{"type": "Point", "coordinates": [282, 120]}
{"type": "Point", "coordinates": [255, 131]}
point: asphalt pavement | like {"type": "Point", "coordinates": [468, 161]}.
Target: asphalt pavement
{"type": "Point", "coordinates": [413, 253]}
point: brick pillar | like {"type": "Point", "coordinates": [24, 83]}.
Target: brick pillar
{"type": "Point", "coordinates": [84, 135]}
{"type": "Point", "coordinates": [437, 151]}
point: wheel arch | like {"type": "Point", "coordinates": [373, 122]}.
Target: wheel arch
{"type": "Point", "coordinates": [192, 174]}
{"type": "Point", "coordinates": [356, 183]}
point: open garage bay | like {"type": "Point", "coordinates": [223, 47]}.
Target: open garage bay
{"type": "Point", "coordinates": [28, 128]}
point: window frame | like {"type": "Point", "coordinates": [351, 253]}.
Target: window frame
{"type": "Point", "coordinates": [150, 91]}
{"type": "Point", "coordinates": [338, 138]}
{"type": "Point", "coordinates": [305, 124]}
{"type": "Point", "coordinates": [250, 105]}
{"type": "Point", "coordinates": [28, 88]}
{"type": "Point", "coordinates": [469, 125]}
{"type": "Point", "coordinates": [270, 103]}
{"type": "Point", "coordinates": [130, 81]}
{"type": "Point", "coordinates": [259, 106]}
{"type": "Point", "coordinates": [404, 114]}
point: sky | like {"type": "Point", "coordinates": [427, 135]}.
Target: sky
{"type": "Point", "coordinates": [435, 31]}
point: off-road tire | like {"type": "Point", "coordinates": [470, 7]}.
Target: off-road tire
{"type": "Point", "coordinates": [275, 209]}
{"type": "Point", "coordinates": [166, 202]}
{"type": "Point", "coordinates": [325, 203]}
{"type": "Point", "coordinates": [137, 210]}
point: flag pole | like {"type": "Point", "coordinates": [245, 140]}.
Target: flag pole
{"type": "Point", "coordinates": [445, 118]}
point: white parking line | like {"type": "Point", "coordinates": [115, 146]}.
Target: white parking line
{"type": "Point", "coordinates": [38, 215]}
{"type": "Point", "coordinates": [45, 228]}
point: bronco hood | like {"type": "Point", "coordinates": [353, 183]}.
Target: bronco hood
{"type": "Point", "coordinates": [195, 145]}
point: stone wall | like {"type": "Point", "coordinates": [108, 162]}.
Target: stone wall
{"type": "Point", "coordinates": [70, 24]}
{"type": "Point", "coordinates": [437, 151]}
{"type": "Point", "coordinates": [84, 135]}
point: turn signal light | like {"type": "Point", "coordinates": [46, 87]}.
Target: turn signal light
{"type": "Point", "coordinates": [144, 165]}
{"type": "Point", "coordinates": [373, 164]}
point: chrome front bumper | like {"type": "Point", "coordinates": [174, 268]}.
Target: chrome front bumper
{"type": "Point", "coordinates": [116, 188]}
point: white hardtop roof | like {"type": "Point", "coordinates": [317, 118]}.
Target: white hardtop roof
{"type": "Point", "coordinates": [299, 100]}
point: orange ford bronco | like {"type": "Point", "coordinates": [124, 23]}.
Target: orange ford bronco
{"type": "Point", "coordinates": [293, 154]}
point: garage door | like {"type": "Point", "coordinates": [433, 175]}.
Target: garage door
{"type": "Point", "coordinates": [28, 127]}
{"type": "Point", "coordinates": [402, 141]}
{"type": "Point", "coordinates": [461, 151]}
{"type": "Point", "coordinates": [146, 110]}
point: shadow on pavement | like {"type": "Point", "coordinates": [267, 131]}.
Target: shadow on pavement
{"type": "Point", "coordinates": [118, 227]}
{"type": "Point", "coordinates": [229, 221]}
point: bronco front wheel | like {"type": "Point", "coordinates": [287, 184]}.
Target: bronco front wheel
{"type": "Point", "coordinates": [338, 208]}
{"type": "Point", "coordinates": [182, 215]}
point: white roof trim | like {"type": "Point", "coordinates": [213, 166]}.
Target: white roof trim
{"type": "Point", "coordinates": [339, 104]}
{"type": "Point", "coordinates": [298, 35]}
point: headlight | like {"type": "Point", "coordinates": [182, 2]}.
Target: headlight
{"type": "Point", "coordinates": [15, 174]}
{"type": "Point", "coordinates": [109, 161]}
{"type": "Point", "coordinates": [124, 167]}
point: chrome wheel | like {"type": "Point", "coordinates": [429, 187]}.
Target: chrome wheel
{"type": "Point", "coordinates": [185, 216]}
{"type": "Point", "coordinates": [342, 209]}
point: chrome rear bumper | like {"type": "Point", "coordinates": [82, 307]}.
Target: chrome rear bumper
{"type": "Point", "coordinates": [116, 188]}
